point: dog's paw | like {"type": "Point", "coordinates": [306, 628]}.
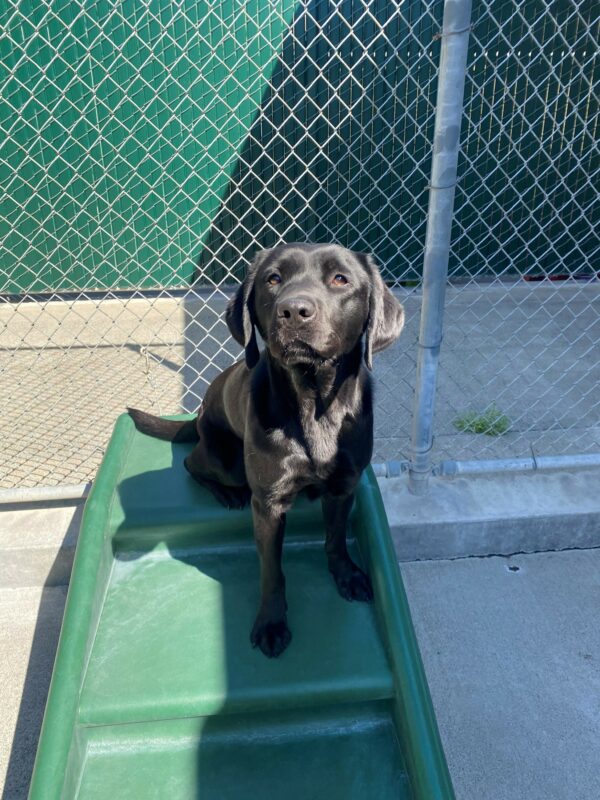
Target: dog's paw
{"type": "Point", "coordinates": [352, 583]}
{"type": "Point", "coordinates": [271, 637]}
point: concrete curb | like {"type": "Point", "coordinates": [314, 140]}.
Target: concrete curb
{"type": "Point", "coordinates": [498, 514]}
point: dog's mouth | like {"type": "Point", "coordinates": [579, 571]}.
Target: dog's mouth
{"type": "Point", "coordinates": [291, 347]}
{"type": "Point", "coordinates": [298, 352]}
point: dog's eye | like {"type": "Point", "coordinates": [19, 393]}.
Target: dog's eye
{"type": "Point", "coordinates": [339, 280]}
{"type": "Point", "coordinates": [274, 279]}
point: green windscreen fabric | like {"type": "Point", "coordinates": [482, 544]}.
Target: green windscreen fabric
{"type": "Point", "coordinates": [159, 144]}
{"type": "Point", "coordinates": [527, 199]}
{"type": "Point", "coordinates": [123, 122]}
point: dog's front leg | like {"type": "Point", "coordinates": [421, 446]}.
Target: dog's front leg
{"type": "Point", "coordinates": [270, 631]}
{"type": "Point", "coordinates": [351, 581]}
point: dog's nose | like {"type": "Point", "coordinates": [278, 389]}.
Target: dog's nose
{"type": "Point", "coordinates": [296, 310]}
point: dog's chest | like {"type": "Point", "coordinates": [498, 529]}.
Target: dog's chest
{"type": "Point", "coordinates": [320, 438]}
{"type": "Point", "coordinates": [311, 454]}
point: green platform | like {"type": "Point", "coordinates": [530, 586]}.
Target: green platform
{"type": "Point", "coordinates": [156, 692]}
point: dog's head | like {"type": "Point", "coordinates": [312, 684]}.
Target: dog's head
{"type": "Point", "coordinates": [312, 304]}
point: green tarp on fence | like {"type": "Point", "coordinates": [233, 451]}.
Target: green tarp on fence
{"type": "Point", "coordinates": [158, 144]}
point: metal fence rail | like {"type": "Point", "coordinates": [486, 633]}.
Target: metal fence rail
{"type": "Point", "coordinates": [150, 147]}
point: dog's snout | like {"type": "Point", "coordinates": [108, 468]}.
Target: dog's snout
{"type": "Point", "coordinates": [296, 310]}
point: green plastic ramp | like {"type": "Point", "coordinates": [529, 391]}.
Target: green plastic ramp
{"type": "Point", "coordinates": [156, 692]}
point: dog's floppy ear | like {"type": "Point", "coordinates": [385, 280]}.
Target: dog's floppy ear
{"type": "Point", "coordinates": [386, 314]}
{"type": "Point", "coordinates": [240, 317]}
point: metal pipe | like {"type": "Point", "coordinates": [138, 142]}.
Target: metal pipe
{"type": "Point", "coordinates": [450, 468]}
{"type": "Point", "coordinates": [530, 464]}
{"type": "Point", "coordinates": [44, 494]}
{"type": "Point", "coordinates": [449, 110]}
{"type": "Point", "coordinates": [390, 469]}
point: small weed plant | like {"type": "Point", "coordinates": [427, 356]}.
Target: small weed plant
{"type": "Point", "coordinates": [492, 422]}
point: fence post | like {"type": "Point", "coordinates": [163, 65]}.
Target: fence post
{"type": "Point", "coordinates": [448, 114]}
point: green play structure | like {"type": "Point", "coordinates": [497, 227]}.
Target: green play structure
{"type": "Point", "coordinates": [156, 692]}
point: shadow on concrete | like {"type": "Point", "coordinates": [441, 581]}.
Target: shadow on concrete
{"type": "Point", "coordinates": [146, 351]}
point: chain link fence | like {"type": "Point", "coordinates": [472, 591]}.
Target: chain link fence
{"type": "Point", "coordinates": [520, 354]}
{"type": "Point", "coordinates": [151, 147]}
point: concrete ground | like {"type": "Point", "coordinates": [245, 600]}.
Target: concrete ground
{"type": "Point", "coordinates": [69, 367]}
{"type": "Point", "coordinates": [510, 643]}
{"type": "Point", "coordinates": [512, 649]}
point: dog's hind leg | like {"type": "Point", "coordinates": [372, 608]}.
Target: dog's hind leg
{"type": "Point", "coordinates": [228, 496]}
{"type": "Point", "coordinates": [217, 462]}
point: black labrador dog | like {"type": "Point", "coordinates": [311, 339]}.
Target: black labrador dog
{"type": "Point", "coordinates": [297, 415]}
